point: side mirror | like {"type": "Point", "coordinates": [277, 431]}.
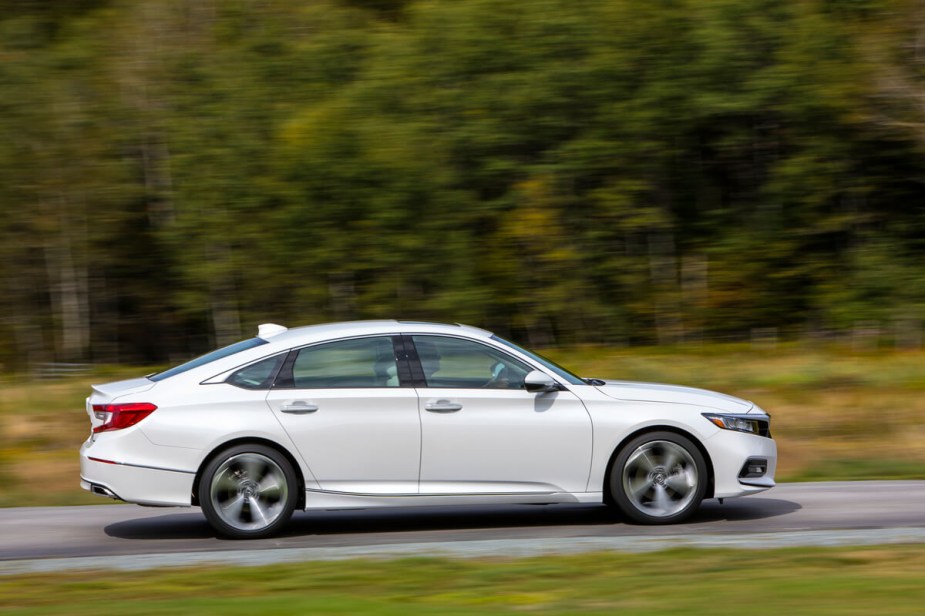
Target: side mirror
{"type": "Point", "coordinates": [539, 382]}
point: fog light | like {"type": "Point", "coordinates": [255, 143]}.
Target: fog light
{"type": "Point", "coordinates": [754, 467]}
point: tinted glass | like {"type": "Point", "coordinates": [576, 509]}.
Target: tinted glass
{"type": "Point", "coordinates": [457, 363]}
{"type": "Point", "coordinates": [237, 347]}
{"type": "Point", "coordinates": [259, 375]}
{"type": "Point", "coordinates": [364, 362]}
{"type": "Point", "coordinates": [553, 366]}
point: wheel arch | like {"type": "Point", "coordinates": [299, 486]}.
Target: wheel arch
{"type": "Point", "coordinates": [246, 440]}
{"type": "Point", "coordinates": [608, 496]}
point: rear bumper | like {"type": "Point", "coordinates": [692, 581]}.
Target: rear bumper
{"type": "Point", "coordinates": [135, 484]}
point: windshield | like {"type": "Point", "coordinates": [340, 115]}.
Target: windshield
{"type": "Point", "coordinates": [551, 365]}
{"type": "Point", "coordinates": [237, 347]}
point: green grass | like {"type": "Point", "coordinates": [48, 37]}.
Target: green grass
{"type": "Point", "coordinates": [860, 469]}
{"type": "Point", "coordinates": [818, 581]}
{"type": "Point", "coordinates": [837, 413]}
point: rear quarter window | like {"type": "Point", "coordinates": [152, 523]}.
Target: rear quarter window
{"type": "Point", "coordinates": [208, 358]}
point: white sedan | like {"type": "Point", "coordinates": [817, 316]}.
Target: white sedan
{"type": "Point", "coordinates": [398, 414]}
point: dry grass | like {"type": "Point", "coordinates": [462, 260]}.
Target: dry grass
{"type": "Point", "coordinates": [42, 425]}
{"type": "Point", "coordinates": [836, 414]}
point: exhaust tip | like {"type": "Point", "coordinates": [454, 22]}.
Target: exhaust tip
{"type": "Point", "coordinates": [103, 491]}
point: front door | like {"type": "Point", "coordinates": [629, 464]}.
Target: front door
{"type": "Point", "coordinates": [483, 433]}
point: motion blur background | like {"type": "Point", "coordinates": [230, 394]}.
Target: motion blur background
{"type": "Point", "coordinates": [173, 172]}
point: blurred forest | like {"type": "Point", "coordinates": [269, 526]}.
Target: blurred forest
{"type": "Point", "coordinates": [173, 172]}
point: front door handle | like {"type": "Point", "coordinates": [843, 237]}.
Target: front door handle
{"type": "Point", "coordinates": [299, 408]}
{"type": "Point", "coordinates": [442, 406]}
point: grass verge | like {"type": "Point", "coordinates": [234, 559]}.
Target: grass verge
{"type": "Point", "coordinates": [818, 581]}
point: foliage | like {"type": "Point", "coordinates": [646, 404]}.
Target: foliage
{"type": "Point", "coordinates": [560, 171]}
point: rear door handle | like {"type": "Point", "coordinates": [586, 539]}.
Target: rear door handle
{"type": "Point", "coordinates": [299, 408]}
{"type": "Point", "coordinates": [442, 406]}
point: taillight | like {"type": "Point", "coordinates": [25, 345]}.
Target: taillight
{"type": "Point", "coordinates": [119, 416]}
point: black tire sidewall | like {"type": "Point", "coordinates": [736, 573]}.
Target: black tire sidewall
{"type": "Point", "coordinates": [616, 478]}
{"type": "Point", "coordinates": [205, 482]}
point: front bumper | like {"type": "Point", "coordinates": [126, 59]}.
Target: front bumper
{"type": "Point", "coordinates": [730, 452]}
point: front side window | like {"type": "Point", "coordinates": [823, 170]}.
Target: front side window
{"type": "Point", "coordinates": [363, 362]}
{"type": "Point", "coordinates": [548, 363]}
{"type": "Point", "coordinates": [457, 363]}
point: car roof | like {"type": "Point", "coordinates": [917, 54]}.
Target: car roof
{"type": "Point", "coordinates": [311, 333]}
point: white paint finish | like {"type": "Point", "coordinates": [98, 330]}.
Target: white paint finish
{"type": "Point", "coordinates": [501, 439]}
{"type": "Point", "coordinates": [359, 440]}
{"type": "Point", "coordinates": [144, 486]}
{"type": "Point", "coordinates": [729, 451]}
{"type": "Point", "coordinates": [130, 446]}
{"type": "Point", "coordinates": [615, 421]}
{"type": "Point", "coordinates": [201, 416]}
{"type": "Point", "coordinates": [189, 424]}
{"type": "Point", "coordinates": [675, 394]}
{"type": "Point", "coordinates": [106, 392]}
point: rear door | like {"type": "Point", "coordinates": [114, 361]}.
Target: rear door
{"type": "Point", "coordinates": [352, 418]}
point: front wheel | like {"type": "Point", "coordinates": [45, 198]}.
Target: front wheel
{"type": "Point", "coordinates": [659, 478]}
{"type": "Point", "coordinates": [248, 491]}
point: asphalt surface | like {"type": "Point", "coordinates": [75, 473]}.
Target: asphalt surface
{"type": "Point", "coordinates": [128, 536]}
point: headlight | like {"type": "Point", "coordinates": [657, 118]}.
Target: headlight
{"type": "Point", "coordinates": [759, 424]}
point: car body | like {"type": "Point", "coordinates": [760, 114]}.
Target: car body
{"type": "Point", "coordinates": [397, 413]}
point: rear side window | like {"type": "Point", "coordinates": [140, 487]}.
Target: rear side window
{"type": "Point", "coordinates": [362, 362]}
{"type": "Point", "coordinates": [258, 375]}
{"type": "Point", "coordinates": [237, 347]}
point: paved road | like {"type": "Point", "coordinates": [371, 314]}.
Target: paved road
{"type": "Point", "coordinates": [810, 513]}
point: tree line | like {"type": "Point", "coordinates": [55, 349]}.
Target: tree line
{"type": "Point", "coordinates": [173, 172]}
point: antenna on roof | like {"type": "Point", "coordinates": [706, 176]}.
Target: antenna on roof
{"type": "Point", "coordinates": [267, 330]}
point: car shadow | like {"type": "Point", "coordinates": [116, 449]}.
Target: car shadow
{"type": "Point", "coordinates": [744, 509]}
{"type": "Point", "coordinates": [192, 525]}
{"type": "Point", "coordinates": [172, 526]}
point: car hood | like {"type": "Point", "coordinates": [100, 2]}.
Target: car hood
{"type": "Point", "coordinates": [675, 394]}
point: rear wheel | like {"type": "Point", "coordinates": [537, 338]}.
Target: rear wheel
{"type": "Point", "coordinates": [659, 478]}
{"type": "Point", "coordinates": [248, 491]}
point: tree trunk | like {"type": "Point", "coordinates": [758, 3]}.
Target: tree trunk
{"type": "Point", "coordinates": [68, 293]}
{"type": "Point", "coordinates": [663, 273]}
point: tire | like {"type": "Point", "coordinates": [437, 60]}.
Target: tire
{"type": "Point", "coordinates": [658, 478]}
{"type": "Point", "coordinates": [248, 491]}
